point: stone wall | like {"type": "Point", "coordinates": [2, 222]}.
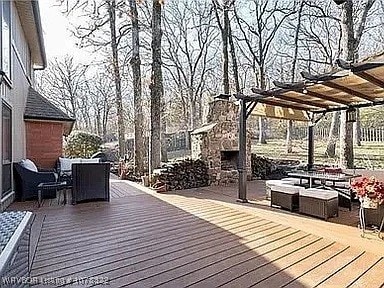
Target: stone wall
{"type": "Point", "coordinates": [221, 133]}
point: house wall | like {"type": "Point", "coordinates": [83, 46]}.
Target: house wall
{"type": "Point", "coordinates": [44, 153]}
{"type": "Point", "coordinates": [15, 93]}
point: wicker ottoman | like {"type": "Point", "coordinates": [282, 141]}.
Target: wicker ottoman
{"type": "Point", "coordinates": [319, 203]}
{"type": "Point", "coordinates": [285, 195]}
{"type": "Point", "coordinates": [270, 183]}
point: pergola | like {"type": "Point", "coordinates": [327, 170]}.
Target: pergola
{"type": "Point", "coordinates": [349, 87]}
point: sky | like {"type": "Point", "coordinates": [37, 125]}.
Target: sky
{"type": "Point", "coordinates": [56, 31]}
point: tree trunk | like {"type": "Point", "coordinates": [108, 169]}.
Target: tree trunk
{"type": "Point", "coordinates": [346, 142]}
{"type": "Point", "coordinates": [224, 29]}
{"type": "Point", "coordinates": [137, 95]}
{"type": "Point", "coordinates": [330, 151]}
{"type": "Point", "coordinates": [234, 60]}
{"type": "Point", "coordinates": [357, 129]}
{"type": "Point", "coordinates": [262, 130]}
{"type": "Point", "coordinates": [262, 120]}
{"type": "Point", "coordinates": [117, 78]}
{"type": "Point", "coordinates": [164, 155]}
{"type": "Point", "coordinates": [346, 129]}
{"type": "Point", "coordinates": [224, 36]}
{"type": "Point", "coordinates": [156, 87]}
{"type": "Point", "coordinates": [293, 73]}
{"type": "Point", "coordinates": [288, 142]}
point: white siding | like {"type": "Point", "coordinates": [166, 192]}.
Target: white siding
{"type": "Point", "coordinates": [16, 94]}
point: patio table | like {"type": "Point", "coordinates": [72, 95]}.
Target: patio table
{"type": "Point", "coordinates": [324, 177]}
{"type": "Point", "coordinates": [57, 186]}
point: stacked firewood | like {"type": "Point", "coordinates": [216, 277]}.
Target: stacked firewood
{"type": "Point", "coordinates": [184, 174]}
{"type": "Point", "coordinates": [261, 166]}
{"type": "Point", "coordinates": [265, 168]}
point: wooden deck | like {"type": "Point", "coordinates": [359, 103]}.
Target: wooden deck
{"type": "Point", "coordinates": [142, 239]}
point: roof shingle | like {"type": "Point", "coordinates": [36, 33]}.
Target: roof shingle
{"type": "Point", "coordinates": [40, 108]}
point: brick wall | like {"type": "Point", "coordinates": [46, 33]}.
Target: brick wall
{"type": "Point", "coordinates": [44, 142]}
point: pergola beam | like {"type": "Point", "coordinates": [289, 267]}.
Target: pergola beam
{"type": "Point", "coordinates": [348, 90]}
{"type": "Point", "coordinates": [325, 97]}
{"type": "Point", "coordinates": [364, 75]}
{"type": "Point", "coordinates": [284, 105]}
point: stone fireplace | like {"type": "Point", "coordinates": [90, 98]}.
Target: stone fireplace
{"type": "Point", "coordinates": [217, 143]}
{"type": "Point", "coordinates": [229, 160]}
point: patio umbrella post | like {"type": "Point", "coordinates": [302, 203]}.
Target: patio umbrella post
{"type": "Point", "coordinates": [242, 152]}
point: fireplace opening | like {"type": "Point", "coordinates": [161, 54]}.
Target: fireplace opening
{"type": "Point", "coordinates": [229, 160]}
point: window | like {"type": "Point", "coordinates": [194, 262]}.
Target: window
{"type": "Point", "coordinates": [7, 148]}
{"type": "Point", "coordinates": [5, 11]}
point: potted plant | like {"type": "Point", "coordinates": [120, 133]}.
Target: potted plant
{"type": "Point", "coordinates": [371, 195]}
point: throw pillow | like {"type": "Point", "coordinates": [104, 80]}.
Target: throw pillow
{"type": "Point", "coordinates": [28, 164]}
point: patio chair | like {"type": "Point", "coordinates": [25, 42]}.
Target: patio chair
{"type": "Point", "coordinates": [27, 182]}
{"type": "Point", "coordinates": [90, 181]}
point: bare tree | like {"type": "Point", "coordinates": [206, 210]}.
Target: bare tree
{"type": "Point", "coordinates": [156, 87]}
{"type": "Point", "coordinates": [224, 31]}
{"type": "Point", "coordinates": [293, 70]}
{"type": "Point", "coordinates": [101, 30]}
{"type": "Point", "coordinates": [351, 40]}
{"type": "Point", "coordinates": [188, 53]}
{"type": "Point", "coordinates": [257, 36]}
{"type": "Point", "coordinates": [64, 83]}
{"type": "Point", "coordinates": [140, 150]}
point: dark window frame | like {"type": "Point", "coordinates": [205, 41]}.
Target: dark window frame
{"type": "Point", "coordinates": [6, 155]}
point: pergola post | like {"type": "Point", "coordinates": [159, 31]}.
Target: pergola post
{"type": "Point", "coordinates": [311, 147]}
{"type": "Point", "coordinates": [242, 165]}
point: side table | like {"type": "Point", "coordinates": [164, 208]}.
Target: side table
{"type": "Point", "coordinates": [57, 186]}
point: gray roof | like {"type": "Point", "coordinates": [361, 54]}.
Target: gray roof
{"type": "Point", "coordinates": [40, 108]}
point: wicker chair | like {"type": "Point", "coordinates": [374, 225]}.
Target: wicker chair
{"type": "Point", "coordinates": [90, 182]}
{"type": "Point", "coordinates": [27, 181]}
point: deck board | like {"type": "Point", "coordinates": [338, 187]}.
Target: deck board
{"type": "Point", "coordinates": [140, 239]}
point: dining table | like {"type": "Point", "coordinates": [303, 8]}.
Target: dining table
{"type": "Point", "coordinates": [339, 182]}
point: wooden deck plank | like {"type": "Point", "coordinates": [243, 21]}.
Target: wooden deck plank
{"type": "Point", "coordinates": [144, 234]}
{"type": "Point", "coordinates": [143, 240]}
{"type": "Point", "coordinates": [162, 236]}
{"type": "Point", "coordinates": [189, 272]}
{"type": "Point", "coordinates": [372, 278]}
{"type": "Point", "coordinates": [271, 266]}
{"type": "Point", "coordinates": [325, 270]}
{"type": "Point", "coordinates": [291, 273]}
{"type": "Point", "coordinates": [162, 265]}
{"type": "Point", "coordinates": [149, 225]}
{"type": "Point", "coordinates": [140, 255]}
{"type": "Point", "coordinates": [352, 272]}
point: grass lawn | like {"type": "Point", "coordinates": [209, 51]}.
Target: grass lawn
{"type": "Point", "coordinates": [369, 155]}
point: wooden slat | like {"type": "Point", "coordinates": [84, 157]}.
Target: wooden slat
{"type": "Point", "coordinates": [372, 278]}
{"type": "Point", "coordinates": [323, 271]}
{"type": "Point", "coordinates": [171, 241]}
{"type": "Point", "coordinates": [352, 272]}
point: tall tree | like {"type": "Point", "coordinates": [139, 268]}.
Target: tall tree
{"type": "Point", "coordinates": [156, 87]}
{"type": "Point", "coordinates": [99, 31]}
{"type": "Point", "coordinates": [224, 31]}
{"type": "Point", "coordinates": [189, 54]}
{"type": "Point", "coordinates": [293, 71]}
{"type": "Point", "coordinates": [116, 71]}
{"type": "Point", "coordinates": [257, 33]}
{"type": "Point", "coordinates": [351, 40]}
{"type": "Point", "coordinates": [140, 151]}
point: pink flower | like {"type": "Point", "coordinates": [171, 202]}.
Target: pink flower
{"type": "Point", "coordinates": [369, 187]}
